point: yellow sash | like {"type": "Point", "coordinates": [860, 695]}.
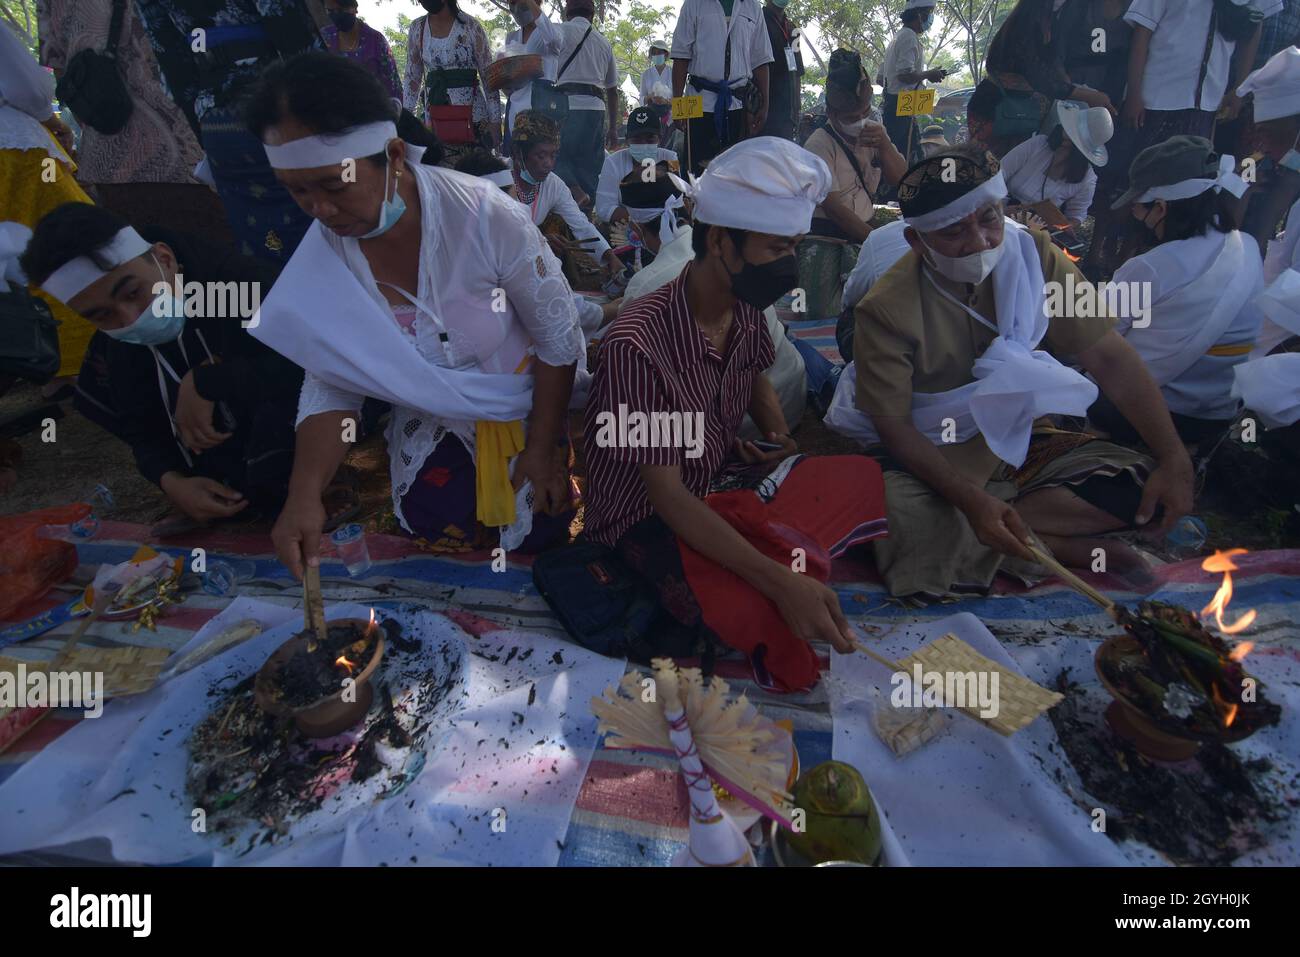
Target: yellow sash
{"type": "Point", "coordinates": [497, 443]}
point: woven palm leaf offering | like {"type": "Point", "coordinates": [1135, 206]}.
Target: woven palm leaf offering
{"type": "Point", "coordinates": [730, 755]}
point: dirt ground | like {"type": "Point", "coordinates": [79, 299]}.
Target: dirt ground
{"type": "Point", "coordinates": [83, 455]}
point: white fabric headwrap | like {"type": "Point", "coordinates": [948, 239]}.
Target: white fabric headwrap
{"type": "Point", "coordinates": [331, 149]}
{"type": "Point", "coordinates": [501, 177]}
{"type": "Point", "coordinates": [76, 274]}
{"type": "Point", "coordinates": [989, 191]}
{"type": "Point", "coordinates": [1227, 179]}
{"type": "Point", "coordinates": [1276, 86]}
{"type": "Point", "coordinates": [668, 228]}
{"type": "Point", "coordinates": [765, 184]}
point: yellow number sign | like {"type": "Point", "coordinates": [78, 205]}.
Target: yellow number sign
{"type": "Point", "coordinates": [915, 102]}
{"type": "Point", "coordinates": [688, 107]}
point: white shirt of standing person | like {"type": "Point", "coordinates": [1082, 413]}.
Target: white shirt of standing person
{"type": "Point", "coordinates": [904, 55]}
{"type": "Point", "coordinates": [1180, 29]}
{"type": "Point", "coordinates": [703, 33]}
{"type": "Point", "coordinates": [594, 65]}
{"type": "Point", "coordinates": [545, 41]}
{"type": "Point", "coordinates": [652, 75]}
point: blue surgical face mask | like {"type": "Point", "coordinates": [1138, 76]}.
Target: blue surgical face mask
{"type": "Point", "coordinates": [1291, 160]}
{"type": "Point", "coordinates": [390, 210]}
{"type": "Point", "coordinates": [162, 321]}
{"type": "Point", "coordinates": [928, 22]}
{"type": "Point", "coordinates": [640, 152]}
{"type": "Point", "coordinates": [782, 4]}
{"type": "Point", "coordinates": [527, 177]}
{"type": "Point", "coordinates": [658, 59]}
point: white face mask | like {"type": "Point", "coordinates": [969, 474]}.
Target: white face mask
{"type": "Point", "coordinates": [972, 269]}
{"type": "Point", "coordinates": [851, 130]}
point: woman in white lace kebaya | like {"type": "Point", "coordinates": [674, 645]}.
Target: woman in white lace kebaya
{"type": "Point", "coordinates": [425, 288]}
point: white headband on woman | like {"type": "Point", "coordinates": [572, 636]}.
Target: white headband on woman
{"type": "Point", "coordinates": [76, 274]}
{"type": "Point", "coordinates": [331, 149]}
{"type": "Point", "coordinates": [989, 191]}
{"type": "Point", "coordinates": [1227, 179]}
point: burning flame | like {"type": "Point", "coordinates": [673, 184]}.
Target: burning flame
{"type": "Point", "coordinates": [371, 627]}
{"type": "Point", "coordinates": [343, 662]}
{"type": "Point", "coordinates": [1222, 562]}
{"type": "Point", "coordinates": [1241, 651]}
{"type": "Point", "coordinates": [1229, 710]}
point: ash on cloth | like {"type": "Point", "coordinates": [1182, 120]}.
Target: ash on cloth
{"type": "Point", "coordinates": [513, 733]}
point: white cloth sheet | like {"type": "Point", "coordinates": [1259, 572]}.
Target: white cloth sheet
{"type": "Point", "coordinates": [122, 778]}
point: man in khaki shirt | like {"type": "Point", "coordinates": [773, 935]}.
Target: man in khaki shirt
{"type": "Point", "coordinates": [956, 508]}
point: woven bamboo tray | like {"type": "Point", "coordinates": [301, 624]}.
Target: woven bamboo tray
{"type": "Point", "coordinates": [1019, 700]}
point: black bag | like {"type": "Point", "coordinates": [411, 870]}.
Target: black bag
{"type": "Point", "coordinates": [547, 96]}
{"type": "Point", "coordinates": [92, 85]}
{"type": "Point", "coordinates": [604, 606]}
{"type": "Point", "coordinates": [29, 337]}
{"type": "Point", "coordinates": [1236, 23]}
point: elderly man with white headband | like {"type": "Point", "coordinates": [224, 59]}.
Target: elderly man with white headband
{"type": "Point", "coordinates": [677, 372]}
{"type": "Point", "coordinates": [425, 288]}
{"type": "Point", "coordinates": [953, 366]}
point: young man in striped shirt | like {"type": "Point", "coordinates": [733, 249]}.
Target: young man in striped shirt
{"type": "Point", "coordinates": [676, 374]}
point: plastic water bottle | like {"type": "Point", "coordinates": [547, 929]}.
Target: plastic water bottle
{"type": "Point", "coordinates": [223, 576]}
{"type": "Point", "coordinates": [1187, 537]}
{"type": "Point", "coordinates": [82, 530]}
{"type": "Point", "coordinates": [100, 500]}
{"type": "Point", "coordinates": [350, 544]}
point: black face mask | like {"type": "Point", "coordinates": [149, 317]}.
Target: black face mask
{"type": "Point", "coordinates": [344, 21]}
{"type": "Point", "coordinates": [433, 6]}
{"type": "Point", "coordinates": [762, 285]}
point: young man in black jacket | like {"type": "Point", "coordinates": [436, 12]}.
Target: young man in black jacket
{"type": "Point", "coordinates": [207, 409]}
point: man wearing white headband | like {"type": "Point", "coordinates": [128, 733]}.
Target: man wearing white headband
{"type": "Point", "coordinates": [425, 288]}
{"type": "Point", "coordinates": [205, 407]}
{"type": "Point", "coordinates": [948, 381]}
{"type": "Point", "coordinates": [691, 353]}
{"type": "Point", "coordinates": [1198, 280]}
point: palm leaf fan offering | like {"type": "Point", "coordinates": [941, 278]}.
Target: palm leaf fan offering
{"type": "Point", "coordinates": [742, 751]}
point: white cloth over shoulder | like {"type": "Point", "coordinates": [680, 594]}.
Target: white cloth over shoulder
{"type": "Point", "coordinates": [1270, 387]}
{"type": "Point", "coordinates": [1201, 297]}
{"type": "Point", "coordinates": [458, 364]}
{"type": "Point", "coordinates": [884, 246]}
{"type": "Point", "coordinates": [1014, 382]}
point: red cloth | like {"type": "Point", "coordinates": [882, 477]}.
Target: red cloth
{"type": "Point", "coordinates": [823, 505]}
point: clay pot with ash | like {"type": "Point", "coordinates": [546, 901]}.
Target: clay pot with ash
{"type": "Point", "coordinates": [311, 686]}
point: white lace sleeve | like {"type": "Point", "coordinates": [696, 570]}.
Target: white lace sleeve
{"type": "Point", "coordinates": [533, 281]}
{"type": "Point", "coordinates": [317, 396]}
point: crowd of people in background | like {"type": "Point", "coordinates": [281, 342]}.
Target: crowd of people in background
{"type": "Point", "coordinates": [492, 255]}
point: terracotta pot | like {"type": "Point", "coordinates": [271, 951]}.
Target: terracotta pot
{"type": "Point", "coordinates": [331, 714]}
{"type": "Point", "coordinates": [1157, 738]}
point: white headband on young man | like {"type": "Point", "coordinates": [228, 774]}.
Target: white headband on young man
{"type": "Point", "coordinates": [668, 228]}
{"type": "Point", "coordinates": [1227, 179]}
{"type": "Point", "coordinates": [331, 149]}
{"type": "Point", "coordinates": [76, 274]}
{"type": "Point", "coordinates": [989, 191]}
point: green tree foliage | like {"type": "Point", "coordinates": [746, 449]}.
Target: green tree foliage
{"type": "Point", "coordinates": [20, 17]}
